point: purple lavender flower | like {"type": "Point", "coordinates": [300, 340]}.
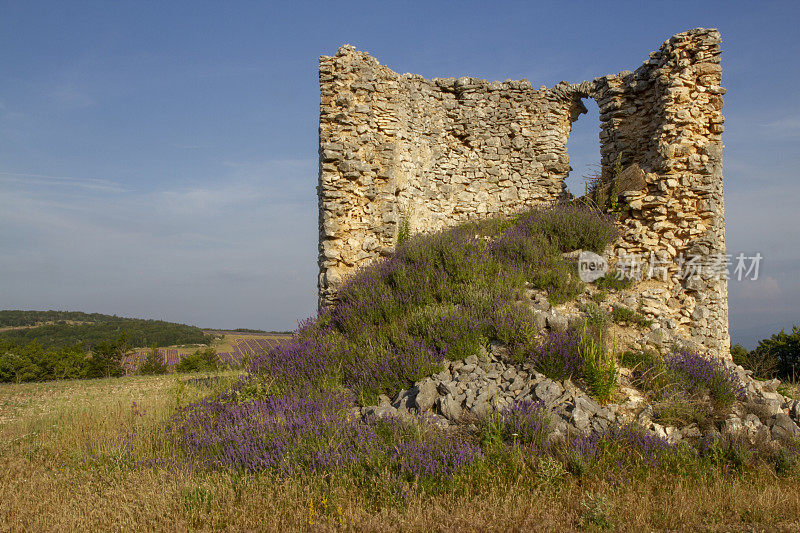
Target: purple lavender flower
{"type": "Point", "coordinates": [527, 422]}
{"type": "Point", "coordinates": [558, 356]}
{"type": "Point", "coordinates": [698, 372]}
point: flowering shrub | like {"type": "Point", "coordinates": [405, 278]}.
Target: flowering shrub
{"type": "Point", "coordinates": [527, 422]}
{"type": "Point", "coordinates": [627, 445]}
{"type": "Point", "coordinates": [697, 373]}
{"type": "Point", "coordinates": [650, 371]}
{"type": "Point", "coordinates": [570, 227]}
{"type": "Point", "coordinates": [558, 356]}
{"type": "Point", "coordinates": [294, 433]}
{"type": "Point", "coordinates": [514, 326]}
{"type": "Point", "coordinates": [455, 332]}
{"type": "Point", "coordinates": [444, 295]}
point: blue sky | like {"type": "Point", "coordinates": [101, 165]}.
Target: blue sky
{"type": "Point", "coordinates": [159, 159]}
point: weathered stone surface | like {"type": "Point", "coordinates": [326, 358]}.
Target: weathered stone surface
{"type": "Point", "coordinates": [557, 321]}
{"type": "Point", "coordinates": [426, 395]}
{"type": "Point", "coordinates": [381, 411]}
{"type": "Point", "coordinates": [783, 427]}
{"type": "Point", "coordinates": [449, 408]}
{"type": "Point", "coordinates": [548, 391]}
{"type": "Point", "coordinates": [400, 148]}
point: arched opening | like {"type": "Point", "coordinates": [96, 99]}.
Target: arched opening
{"type": "Point", "coordinates": [583, 147]}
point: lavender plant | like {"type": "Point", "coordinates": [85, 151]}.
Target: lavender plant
{"type": "Point", "coordinates": [571, 227]}
{"type": "Point", "coordinates": [621, 447]}
{"type": "Point", "coordinates": [291, 434]}
{"type": "Point", "coordinates": [527, 422]}
{"type": "Point", "coordinates": [558, 355]}
{"type": "Point", "coordinates": [698, 373]}
{"type": "Point", "coordinates": [438, 296]}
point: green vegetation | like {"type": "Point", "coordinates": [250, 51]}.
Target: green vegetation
{"type": "Point", "coordinates": [599, 367]}
{"type": "Point", "coordinates": [624, 315]}
{"type": "Point", "coordinates": [16, 318]}
{"type": "Point", "coordinates": [154, 363]}
{"type": "Point", "coordinates": [600, 296]}
{"type": "Point", "coordinates": [204, 360]}
{"type": "Point", "coordinates": [404, 230]}
{"type": "Point", "coordinates": [32, 362]}
{"type": "Point", "coordinates": [686, 387]}
{"type": "Point", "coordinates": [596, 317]}
{"type": "Point", "coordinates": [93, 329]}
{"type": "Point", "coordinates": [777, 356]}
{"type": "Point", "coordinates": [612, 281]}
{"type": "Point", "coordinates": [72, 345]}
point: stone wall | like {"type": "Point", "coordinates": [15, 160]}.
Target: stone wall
{"type": "Point", "coordinates": [664, 122]}
{"type": "Point", "coordinates": [437, 152]}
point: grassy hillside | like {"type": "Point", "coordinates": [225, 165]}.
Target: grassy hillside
{"type": "Point", "coordinates": [60, 329]}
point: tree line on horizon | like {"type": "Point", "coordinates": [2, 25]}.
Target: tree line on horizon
{"type": "Point", "coordinates": [51, 329]}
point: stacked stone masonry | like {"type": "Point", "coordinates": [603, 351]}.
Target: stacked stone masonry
{"type": "Point", "coordinates": [438, 152]}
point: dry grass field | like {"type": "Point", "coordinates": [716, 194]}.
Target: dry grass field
{"type": "Point", "coordinates": [91, 455]}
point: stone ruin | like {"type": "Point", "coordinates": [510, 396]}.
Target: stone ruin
{"type": "Point", "coordinates": [437, 152]}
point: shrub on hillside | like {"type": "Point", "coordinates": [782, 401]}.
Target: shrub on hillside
{"type": "Point", "coordinates": [699, 373]}
{"type": "Point", "coordinates": [624, 315]}
{"type": "Point", "coordinates": [558, 355]}
{"type": "Point", "coordinates": [526, 422]}
{"type": "Point", "coordinates": [204, 360]}
{"type": "Point", "coordinates": [106, 359]}
{"type": "Point", "coordinates": [650, 371]}
{"type": "Point", "coordinates": [570, 227]}
{"type": "Point", "coordinates": [154, 363]}
{"type": "Point", "coordinates": [454, 332]}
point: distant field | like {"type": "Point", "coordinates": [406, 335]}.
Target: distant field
{"type": "Point", "coordinates": [231, 347]}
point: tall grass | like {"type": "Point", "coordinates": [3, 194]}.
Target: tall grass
{"type": "Point", "coordinates": [599, 367]}
{"type": "Point", "coordinates": [68, 462]}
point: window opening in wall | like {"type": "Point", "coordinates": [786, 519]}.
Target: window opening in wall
{"type": "Point", "coordinates": [583, 147]}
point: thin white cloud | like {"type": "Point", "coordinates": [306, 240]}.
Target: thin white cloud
{"type": "Point", "coordinates": [783, 127]}
{"type": "Point", "coordinates": [43, 179]}
{"type": "Point", "coordinates": [199, 201]}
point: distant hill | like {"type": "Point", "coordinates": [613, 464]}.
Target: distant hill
{"type": "Point", "coordinates": [58, 329]}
